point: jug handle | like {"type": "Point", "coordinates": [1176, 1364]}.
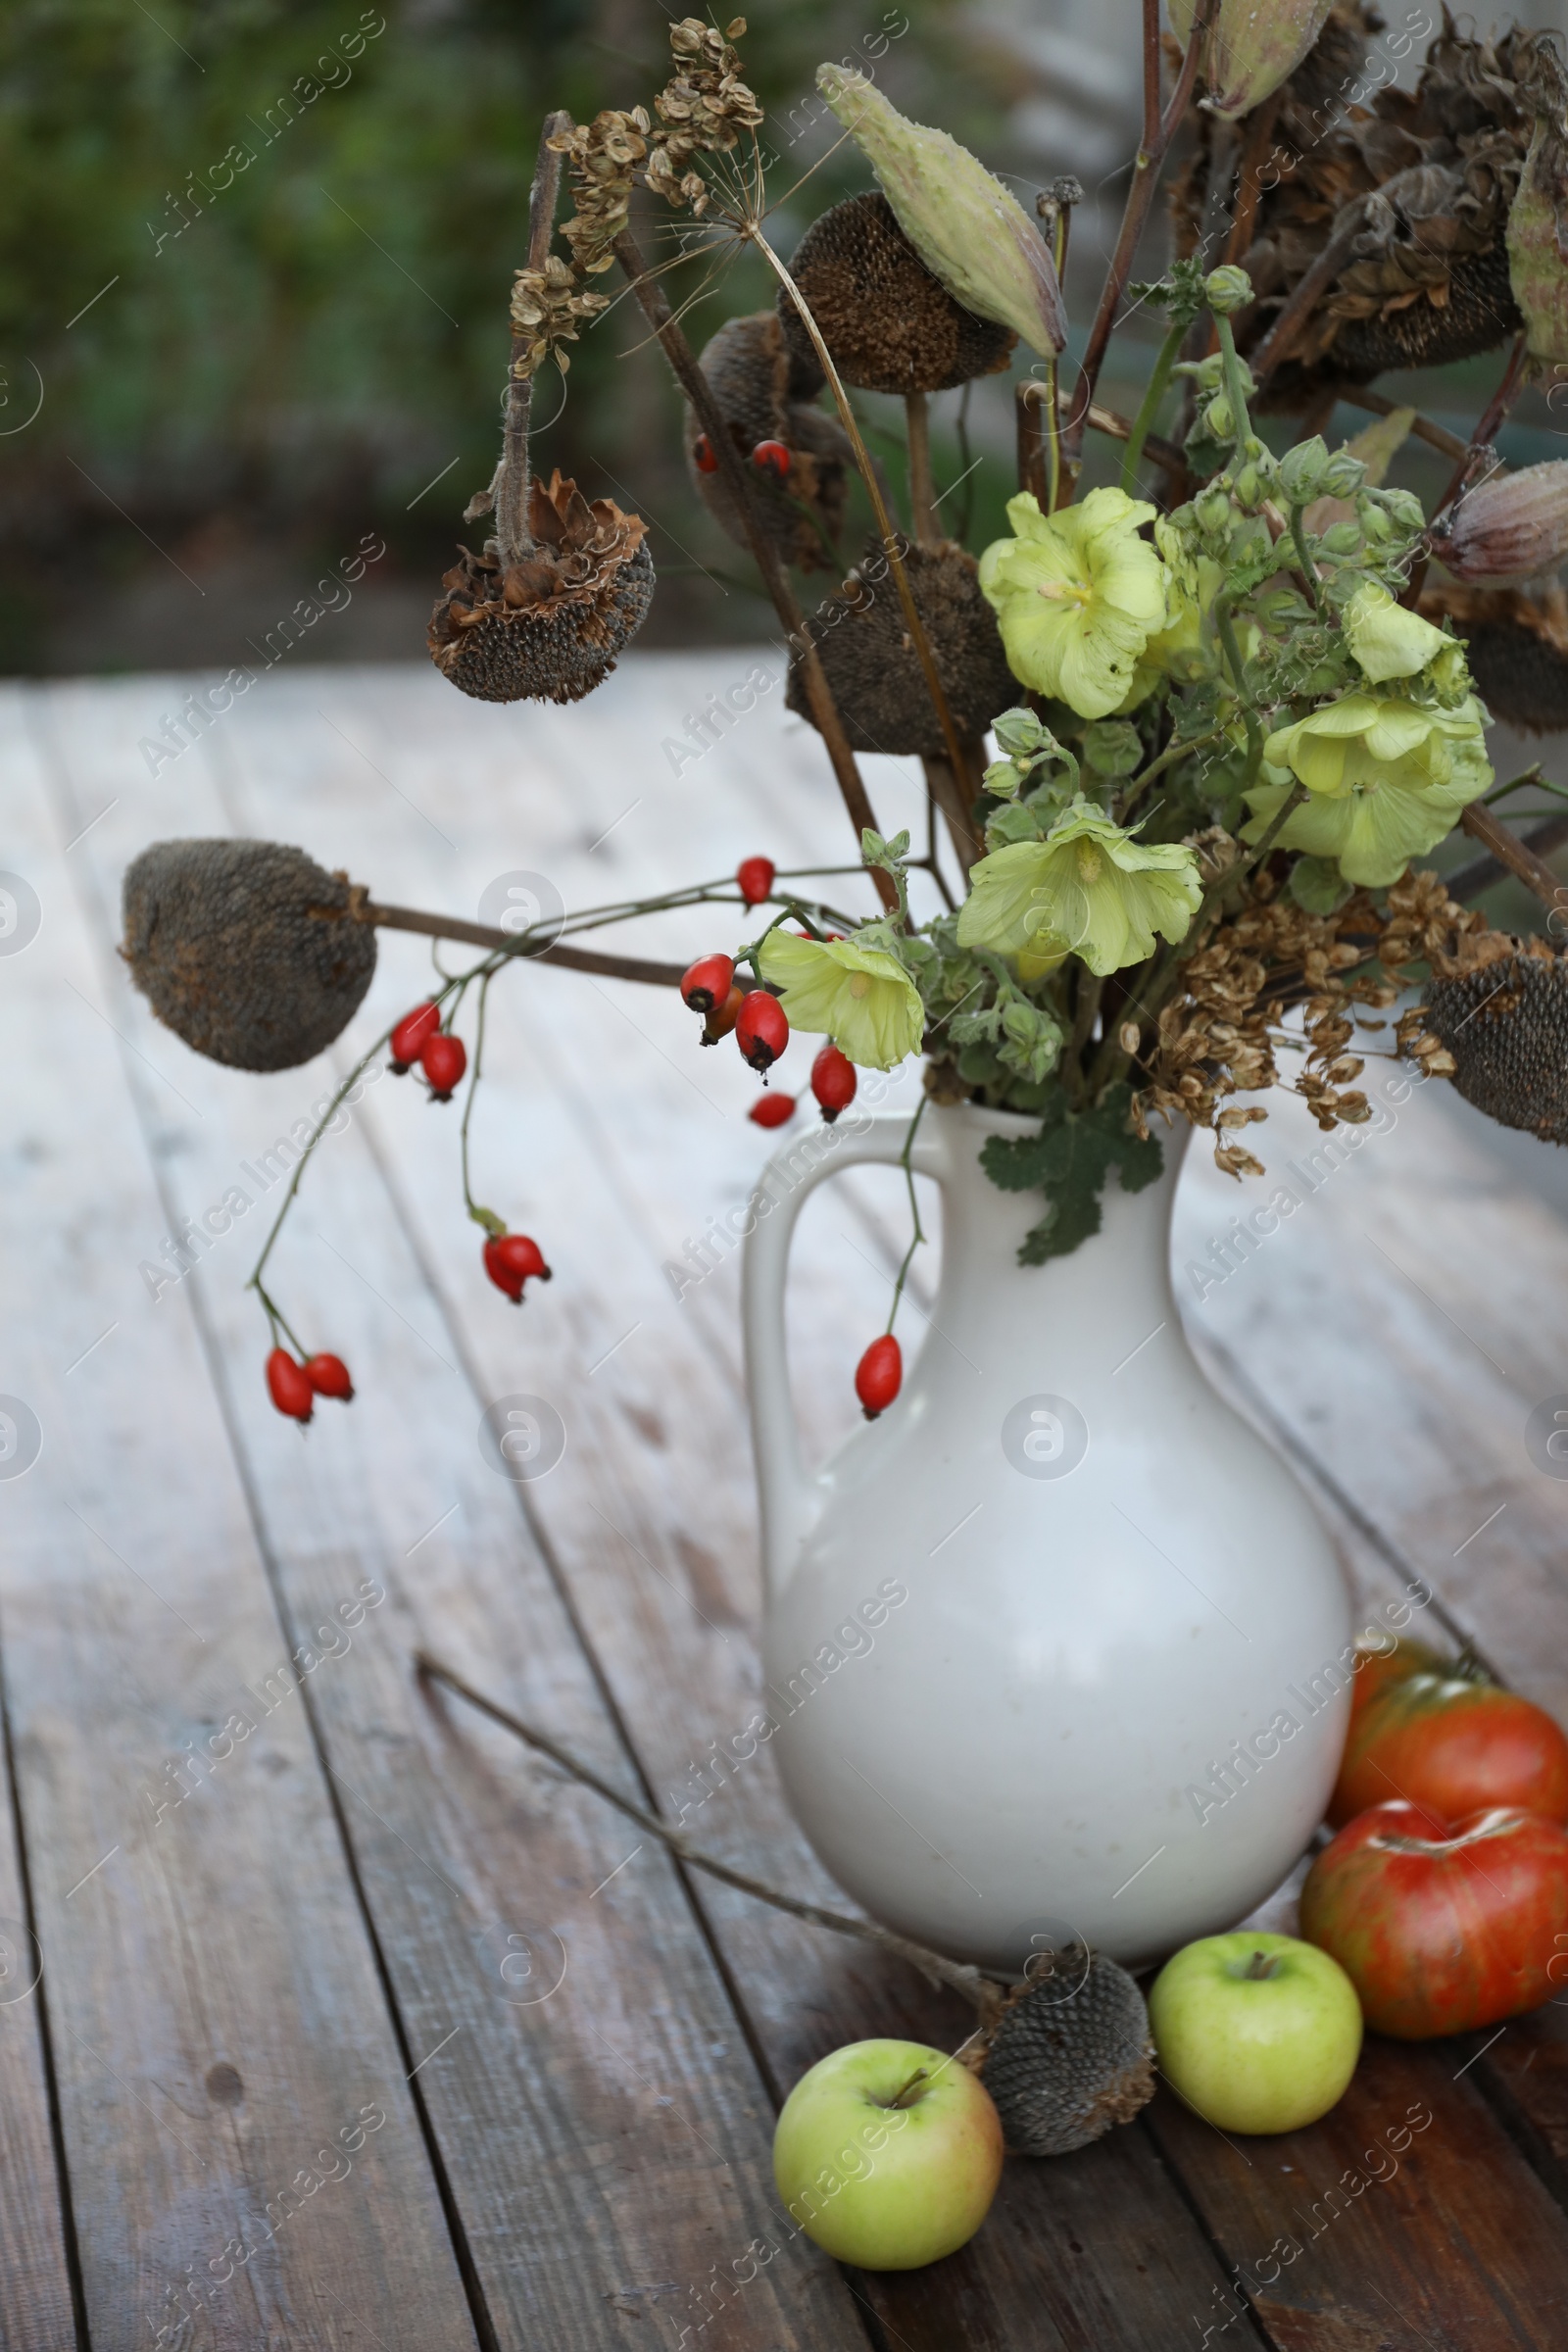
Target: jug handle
{"type": "Point", "coordinates": [790, 1500]}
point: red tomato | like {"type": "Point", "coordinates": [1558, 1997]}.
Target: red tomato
{"type": "Point", "coordinates": [1456, 1746]}
{"type": "Point", "coordinates": [1442, 1929]}
{"type": "Point", "coordinates": [1377, 1663]}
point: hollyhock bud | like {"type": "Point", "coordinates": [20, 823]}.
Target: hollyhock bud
{"type": "Point", "coordinates": [1228, 289]}
{"type": "Point", "coordinates": [1511, 528]}
{"type": "Point", "coordinates": [1256, 44]}
{"type": "Point", "coordinates": [970, 231]}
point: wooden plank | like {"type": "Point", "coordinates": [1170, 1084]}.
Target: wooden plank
{"type": "Point", "coordinates": [605, 2136]}
{"type": "Point", "coordinates": [610, 1138]}
{"type": "Point", "coordinates": [1398, 1331]}
{"type": "Point", "coordinates": [37, 2303]}
{"type": "Point", "coordinates": [217, 2021]}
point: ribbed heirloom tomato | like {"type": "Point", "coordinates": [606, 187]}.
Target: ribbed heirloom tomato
{"type": "Point", "coordinates": [1455, 1744]}
{"type": "Point", "coordinates": [1441, 1928]}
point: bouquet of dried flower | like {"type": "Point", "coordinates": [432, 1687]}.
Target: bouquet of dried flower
{"type": "Point", "coordinates": [1189, 735]}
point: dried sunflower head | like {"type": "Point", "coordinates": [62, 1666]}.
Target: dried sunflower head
{"type": "Point", "coordinates": [1069, 2056]}
{"type": "Point", "coordinates": [873, 666]}
{"type": "Point", "coordinates": [549, 627]}
{"type": "Point", "coordinates": [1516, 643]}
{"type": "Point", "coordinates": [1504, 1025]}
{"type": "Point", "coordinates": [1429, 175]}
{"type": "Point", "coordinates": [763, 393]}
{"type": "Point", "coordinates": [890, 323]}
{"type": "Point", "coordinates": [225, 940]}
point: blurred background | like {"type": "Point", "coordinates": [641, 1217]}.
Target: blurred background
{"type": "Point", "coordinates": [255, 262]}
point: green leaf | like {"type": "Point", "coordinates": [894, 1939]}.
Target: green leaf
{"type": "Point", "coordinates": [1069, 1161]}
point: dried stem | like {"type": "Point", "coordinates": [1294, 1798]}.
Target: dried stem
{"type": "Point", "coordinates": [1158, 131]}
{"type": "Point", "coordinates": [818, 694]}
{"type": "Point", "coordinates": [1488, 422]}
{"type": "Point", "coordinates": [955, 804]}
{"type": "Point", "coordinates": [507, 942]}
{"type": "Point", "coordinates": [1249, 174]}
{"type": "Point", "coordinates": [1483, 873]}
{"type": "Point", "coordinates": [1276, 344]}
{"type": "Point", "coordinates": [1517, 856]}
{"type": "Point", "coordinates": [922, 489]}
{"type": "Point", "coordinates": [970, 1982]}
{"type": "Point", "coordinates": [873, 489]}
{"type": "Point", "coordinates": [513, 534]}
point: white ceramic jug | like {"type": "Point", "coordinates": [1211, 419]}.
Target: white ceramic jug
{"type": "Point", "coordinates": [1055, 1645]}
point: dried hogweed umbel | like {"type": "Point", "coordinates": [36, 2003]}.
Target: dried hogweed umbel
{"type": "Point", "coordinates": [1221, 1034]}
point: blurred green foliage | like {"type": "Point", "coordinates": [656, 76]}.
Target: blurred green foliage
{"type": "Point", "coordinates": [261, 254]}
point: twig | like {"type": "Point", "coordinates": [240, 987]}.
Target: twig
{"type": "Point", "coordinates": [1249, 174]}
{"type": "Point", "coordinates": [1378, 404]}
{"type": "Point", "coordinates": [818, 694]}
{"type": "Point", "coordinates": [912, 621]}
{"type": "Point", "coordinates": [508, 942]}
{"type": "Point", "coordinates": [955, 804]}
{"type": "Point", "coordinates": [1482, 872]}
{"type": "Point", "coordinates": [1276, 344]}
{"type": "Point", "coordinates": [970, 1981]}
{"type": "Point", "coordinates": [1487, 423]}
{"type": "Point", "coordinates": [513, 534]}
{"type": "Point", "coordinates": [1515, 854]}
{"type": "Point", "coordinates": [1158, 131]}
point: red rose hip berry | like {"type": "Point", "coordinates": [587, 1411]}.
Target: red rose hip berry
{"type": "Point", "coordinates": [879, 1375]}
{"type": "Point", "coordinates": [328, 1376]}
{"type": "Point", "coordinates": [289, 1386]}
{"type": "Point", "coordinates": [708, 982]}
{"type": "Point", "coordinates": [833, 1082]}
{"type": "Point", "coordinates": [755, 879]}
{"type": "Point", "coordinates": [443, 1058]}
{"type": "Point", "coordinates": [723, 1017]}
{"type": "Point", "coordinates": [510, 1259]}
{"type": "Point", "coordinates": [772, 1110]}
{"type": "Point", "coordinates": [762, 1031]}
{"type": "Point", "coordinates": [771, 457]}
{"type": "Point", "coordinates": [408, 1038]}
{"type": "Point", "coordinates": [703, 453]}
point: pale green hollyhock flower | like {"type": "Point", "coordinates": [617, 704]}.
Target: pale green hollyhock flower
{"type": "Point", "coordinates": [862, 997]}
{"type": "Point", "coordinates": [1088, 889]}
{"type": "Point", "coordinates": [1077, 596]}
{"type": "Point", "coordinates": [1388, 641]}
{"type": "Point", "coordinates": [1387, 780]}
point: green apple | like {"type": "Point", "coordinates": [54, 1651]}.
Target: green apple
{"type": "Point", "coordinates": [888, 2154]}
{"type": "Point", "coordinates": [1257, 2033]}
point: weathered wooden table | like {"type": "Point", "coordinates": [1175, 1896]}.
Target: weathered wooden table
{"type": "Point", "coordinates": [332, 2017]}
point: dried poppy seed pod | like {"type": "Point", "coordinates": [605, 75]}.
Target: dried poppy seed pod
{"type": "Point", "coordinates": [1511, 528]}
{"type": "Point", "coordinates": [222, 941]}
{"type": "Point", "coordinates": [762, 390]}
{"type": "Point", "coordinates": [871, 665]}
{"type": "Point", "coordinates": [970, 231]}
{"type": "Point", "coordinates": [547, 629]}
{"type": "Point", "coordinates": [890, 323]}
{"type": "Point", "coordinates": [1069, 2056]}
{"type": "Point", "coordinates": [1254, 46]}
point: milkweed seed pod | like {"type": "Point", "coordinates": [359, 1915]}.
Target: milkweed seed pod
{"type": "Point", "coordinates": [763, 393]}
{"type": "Point", "coordinates": [1513, 527]}
{"type": "Point", "coordinates": [222, 939]}
{"type": "Point", "coordinates": [1507, 1026]}
{"type": "Point", "coordinates": [1516, 644]}
{"type": "Point", "coordinates": [1434, 172]}
{"type": "Point", "coordinates": [1253, 46]}
{"type": "Point", "coordinates": [872, 664]}
{"type": "Point", "coordinates": [549, 627]}
{"type": "Point", "coordinates": [890, 323]}
{"type": "Point", "coordinates": [1069, 2057]}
